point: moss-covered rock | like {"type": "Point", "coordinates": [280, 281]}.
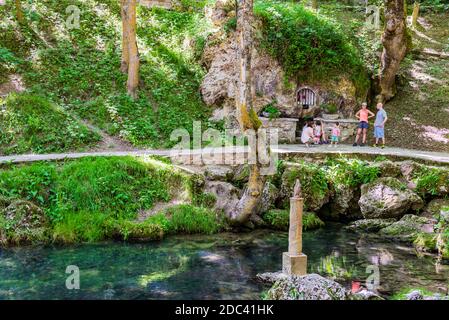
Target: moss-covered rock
{"type": "Point", "coordinates": [370, 225]}
{"type": "Point", "coordinates": [315, 187]}
{"type": "Point", "coordinates": [432, 181]}
{"type": "Point", "coordinates": [409, 227]}
{"type": "Point", "coordinates": [23, 222]}
{"type": "Point", "coordinates": [387, 198]}
{"type": "Point", "coordinates": [434, 207]}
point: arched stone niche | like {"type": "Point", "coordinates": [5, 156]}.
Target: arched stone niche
{"type": "Point", "coordinates": [306, 98]}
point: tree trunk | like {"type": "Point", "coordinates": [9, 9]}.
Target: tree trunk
{"type": "Point", "coordinates": [133, 68]}
{"type": "Point", "coordinates": [248, 118]}
{"type": "Point", "coordinates": [415, 14]}
{"type": "Point", "coordinates": [315, 5]}
{"type": "Point", "coordinates": [394, 40]}
{"type": "Point", "coordinates": [19, 12]}
{"type": "Point", "coordinates": [125, 33]}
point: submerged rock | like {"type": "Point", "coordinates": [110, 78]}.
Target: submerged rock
{"type": "Point", "coordinates": [387, 198]}
{"type": "Point", "coordinates": [308, 287]}
{"type": "Point", "coordinates": [370, 225]}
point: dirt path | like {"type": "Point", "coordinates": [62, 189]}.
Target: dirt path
{"type": "Point", "coordinates": [439, 157]}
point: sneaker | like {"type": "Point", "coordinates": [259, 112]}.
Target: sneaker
{"type": "Point", "coordinates": [374, 145]}
{"type": "Point", "coordinates": [355, 144]}
{"type": "Point", "coordinates": [382, 146]}
{"type": "Point", "coordinates": [362, 144]}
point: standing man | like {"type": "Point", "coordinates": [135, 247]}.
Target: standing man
{"type": "Point", "coordinates": [363, 115]}
{"type": "Point", "coordinates": [379, 125]}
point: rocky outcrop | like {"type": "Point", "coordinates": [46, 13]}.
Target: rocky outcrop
{"type": "Point", "coordinates": [221, 173]}
{"type": "Point", "coordinates": [370, 225]}
{"type": "Point", "coordinates": [308, 287]}
{"type": "Point", "coordinates": [344, 204]}
{"type": "Point", "coordinates": [227, 196]}
{"type": "Point", "coordinates": [387, 198]}
{"type": "Point", "coordinates": [409, 227]}
{"type": "Point", "coordinates": [269, 195]}
{"type": "Point", "coordinates": [435, 207]}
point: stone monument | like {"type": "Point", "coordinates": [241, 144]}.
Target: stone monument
{"type": "Point", "coordinates": [294, 261]}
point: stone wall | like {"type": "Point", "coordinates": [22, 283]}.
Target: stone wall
{"type": "Point", "coordinates": [286, 128]}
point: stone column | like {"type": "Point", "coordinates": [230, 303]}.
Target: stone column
{"type": "Point", "coordinates": [294, 261]}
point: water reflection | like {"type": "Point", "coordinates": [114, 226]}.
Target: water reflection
{"type": "Point", "coordinates": [208, 267]}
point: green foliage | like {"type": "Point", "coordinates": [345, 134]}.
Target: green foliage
{"type": "Point", "coordinates": [308, 46]}
{"type": "Point", "coordinates": [92, 199]}
{"type": "Point", "coordinates": [430, 181]}
{"type": "Point", "coordinates": [230, 25]}
{"type": "Point", "coordinates": [350, 172]}
{"type": "Point", "coordinates": [32, 123]}
{"type": "Point", "coordinates": [336, 267]}
{"type": "Point", "coordinates": [187, 219]}
{"type": "Point", "coordinates": [272, 111]}
{"type": "Point", "coordinates": [78, 68]}
{"type": "Point", "coordinates": [329, 108]}
{"type": "Point", "coordinates": [280, 219]}
{"type": "Point", "coordinates": [313, 180]}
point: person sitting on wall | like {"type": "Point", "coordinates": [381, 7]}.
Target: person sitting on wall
{"type": "Point", "coordinates": [307, 135]}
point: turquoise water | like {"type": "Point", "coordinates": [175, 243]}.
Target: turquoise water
{"type": "Point", "coordinates": [220, 266]}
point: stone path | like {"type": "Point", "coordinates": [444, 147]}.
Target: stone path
{"type": "Point", "coordinates": [281, 149]}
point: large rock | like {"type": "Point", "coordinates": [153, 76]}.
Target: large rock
{"type": "Point", "coordinates": [409, 227]}
{"type": "Point", "coordinates": [269, 196]}
{"type": "Point", "coordinates": [23, 222]}
{"type": "Point", "coordinates": [370, 225]}
{"type": "Point", "coordinates": [387, 198]}
{"type": "Point", "coordinates": [222, 173]}
{"type": "Point", "coordinates": [344, 204]}
{"type": "Point", "coordinates": [226, 194]}
{"type": "Point", "coordinates": [308, 287]}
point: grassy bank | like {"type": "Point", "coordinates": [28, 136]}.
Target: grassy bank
{"type": "Point", "coordinates": [94, 199]}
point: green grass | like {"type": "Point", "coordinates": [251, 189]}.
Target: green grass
{"type": "Point", "coordinates": [31, 123]}
{"type": "Point", "coordinates": [92, 199]}
{"type": "Point", "coordinates": [310, 47]}
{"type": "Point", "coordinates": [280, 219]}
{"type": "Point", "coordinates": [78, 69]}
{"type": "Point", "coordinates": [187, 219]}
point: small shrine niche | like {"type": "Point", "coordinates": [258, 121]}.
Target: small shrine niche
{"type": "Point", "coordinates": [306, 98]}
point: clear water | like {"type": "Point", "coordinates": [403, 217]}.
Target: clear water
{"type": "Point", "coordinates": [221, 266]}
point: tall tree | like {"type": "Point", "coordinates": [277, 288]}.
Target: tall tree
{"type": "Point", "coordinates": [415, 14]}
{"type": "Point", "coordinates": [125, 24]}
{"type": "Point", "coordinates": [130, 52]}
{"type": "Point", "coordinates": [248, 118]}
{"type": "Point", "coordinates": [19, 12]}
{"type": "Point", "coordinates": [394, 40]}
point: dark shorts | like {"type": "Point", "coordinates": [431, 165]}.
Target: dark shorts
{"type": "Point", "coordinates": [363, 125]}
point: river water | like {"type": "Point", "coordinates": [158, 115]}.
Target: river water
{"type": "Point", "coordinates": [221, 266]}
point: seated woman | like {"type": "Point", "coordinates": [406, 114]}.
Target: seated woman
{"type": "Point", "coordinates": [307, 135]}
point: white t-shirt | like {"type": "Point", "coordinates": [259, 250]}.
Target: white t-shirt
{"type": "Point", "coordinates": [318, 131]}
{"type": "Point", "coordinates": [307, 134]}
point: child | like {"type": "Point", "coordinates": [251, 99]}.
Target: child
{"type": "Point", "coordinates": [307, 136]}
{"type": "Point", "coordinates": [336, 132]}
{"type": "Point", "coordinates": [363, 115]}
{"type": "Point", "coordinates": [379, 125]}
{"type": "Point", "coordinates": [319, 133]}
